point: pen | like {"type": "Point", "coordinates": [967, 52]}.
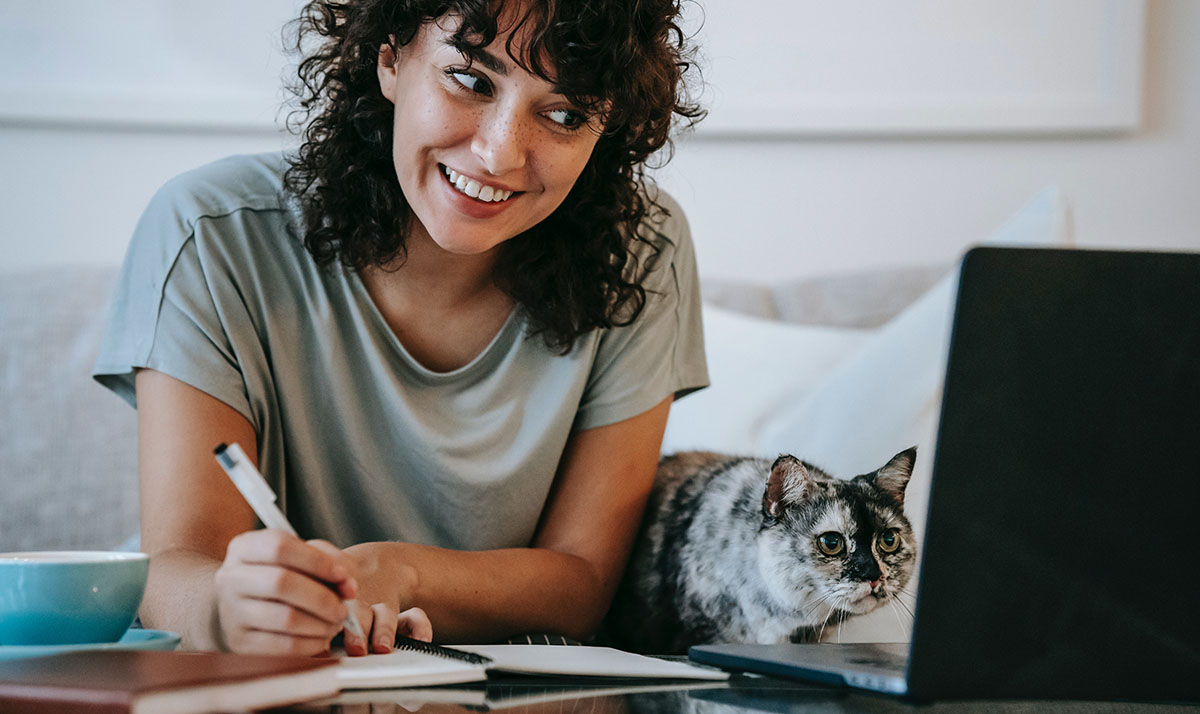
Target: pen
{"type": "Point", "coordinates": [261, 498]}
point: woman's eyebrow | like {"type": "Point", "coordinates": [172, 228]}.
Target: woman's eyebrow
{"type": "Point", "coordinates": [482, 56]}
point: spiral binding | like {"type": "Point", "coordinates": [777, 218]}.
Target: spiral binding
{"type": "Point", "coordinates": [408, 643]}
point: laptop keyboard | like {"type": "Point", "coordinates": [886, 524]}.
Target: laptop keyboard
{"type": "Point", "coordinates": [890, 660]}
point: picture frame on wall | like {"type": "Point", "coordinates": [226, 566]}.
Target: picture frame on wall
{"type": "Point", "coordinates": [920, 67]}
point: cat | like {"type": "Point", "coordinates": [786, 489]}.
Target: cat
{"type": "Point", "coordinates": [737, 549]}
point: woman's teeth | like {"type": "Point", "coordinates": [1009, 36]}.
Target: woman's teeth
{"type": "Point", "coordinates": [474, 189]}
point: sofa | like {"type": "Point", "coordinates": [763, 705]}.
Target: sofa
{"type": "Point", "coordinates": [841, 370]}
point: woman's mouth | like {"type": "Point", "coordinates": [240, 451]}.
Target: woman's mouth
{"type": "Point", "coordinates": [475, 189]}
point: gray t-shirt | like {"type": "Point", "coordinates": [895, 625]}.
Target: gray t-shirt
{"type": "Point", "coordinates": [359, 440]}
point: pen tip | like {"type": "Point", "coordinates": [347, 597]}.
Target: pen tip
{"type": "Point", "coordinates": [220, 448]}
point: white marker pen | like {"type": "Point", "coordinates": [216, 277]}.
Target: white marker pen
{"type": "Point", "coordinates": [261, 498]}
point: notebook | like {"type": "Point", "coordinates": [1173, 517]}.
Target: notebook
{"type": "Point", "coordinates": [416, 663]}
{"type": "Point", "coordinates": [154, 681]}
{"type": "Point", "coordinates": [1059, 553]}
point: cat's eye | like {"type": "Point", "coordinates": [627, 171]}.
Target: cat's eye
{"type": "Point", "coordinates": [889, 540]}
{"type": "Point", "coordinates": [831, 543]}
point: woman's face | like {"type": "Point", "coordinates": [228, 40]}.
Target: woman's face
{"type": "Point", "coordinates": [484, 153]}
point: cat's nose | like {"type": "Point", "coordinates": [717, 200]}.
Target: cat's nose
{"type": "Point", "coordinates": [875, 584]}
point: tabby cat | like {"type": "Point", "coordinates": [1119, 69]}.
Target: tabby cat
{"type": "Point", "coordinates": [737, 549]}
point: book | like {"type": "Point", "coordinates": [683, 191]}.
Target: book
{"type": "Point", "coordinates": [416, 663]}
{"type": "Point", "coordinates": [158, 682]}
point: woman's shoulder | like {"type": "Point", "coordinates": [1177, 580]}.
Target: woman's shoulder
{"type": "Point", "coordinates": [208, 205]}
{"type": "Point", "coordinates": [666, 237]}
{"type": "Point", "coordinates": [250, 181]}
{"type": "Point", "coordinates": [665, 220]}
{"type": "Point", "coordinates": [230, 216]}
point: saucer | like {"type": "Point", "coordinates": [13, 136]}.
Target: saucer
{"type": "Point", "coordinates": [132, 640]}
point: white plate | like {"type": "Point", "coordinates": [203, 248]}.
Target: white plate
{"type": "Point", "coordinates": [132, 640]}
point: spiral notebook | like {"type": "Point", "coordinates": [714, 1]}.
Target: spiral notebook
{"type": "Point", "coordinates": [421, 664]}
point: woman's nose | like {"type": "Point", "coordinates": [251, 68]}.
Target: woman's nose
{"type": "Point", "coordinates": [500, 140]}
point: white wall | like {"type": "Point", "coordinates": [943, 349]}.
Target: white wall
{"type": "Point", "coordinates": [761, 208]}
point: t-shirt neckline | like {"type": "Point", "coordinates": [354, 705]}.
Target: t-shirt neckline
{"type": "Point", "coordinates": [497, 346]}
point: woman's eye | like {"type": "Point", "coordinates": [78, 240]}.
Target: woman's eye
{"type": "Point", "coordinates": [568, 118]}
{"type": "Point", "coordinates": [889, 540]}
{"type": "Point", "coordinates": [471, 82]}
{"type": "Point", "coordinates": [831, 543]}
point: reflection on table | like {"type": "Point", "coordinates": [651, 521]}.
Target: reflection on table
{"type": "Point", "coordinates": [742, 694]}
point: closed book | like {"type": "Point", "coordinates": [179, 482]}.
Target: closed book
{"type": "Point", "coordinates": [160, 682]}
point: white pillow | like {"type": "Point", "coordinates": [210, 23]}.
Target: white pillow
{"type": "Point", "coordinates": [755, 367]}
{"type": "Point", "coordinates": [775, 390]}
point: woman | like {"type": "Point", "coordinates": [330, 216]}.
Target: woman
{"type": "Point", "coordinates": [449, 327]}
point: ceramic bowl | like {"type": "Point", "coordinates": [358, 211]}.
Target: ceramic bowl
{"type": "Point", "coordinates": [69, 597]}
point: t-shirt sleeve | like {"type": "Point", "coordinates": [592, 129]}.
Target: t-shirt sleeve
{"type": "Point", "coordinates": [174, 308]}
{"type": "Point", "coordinates": [661, 353]}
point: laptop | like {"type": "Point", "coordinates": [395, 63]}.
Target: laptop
{"type": "Point", "coordinates": [1061, 554]}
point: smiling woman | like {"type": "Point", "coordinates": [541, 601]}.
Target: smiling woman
{"type": "Point", "coordinates": [597, 84]}
{"type": "Point", "coordinates": [495, 130]}
{"type": "Point", "coordinates": [448, 330]}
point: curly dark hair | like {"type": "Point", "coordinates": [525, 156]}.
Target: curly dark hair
{"type": "Point", "coordinates": [574, 271]}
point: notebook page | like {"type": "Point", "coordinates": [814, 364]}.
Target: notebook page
{"type": "Point", "coordinates": [404, 668]}
{"type": "Point", "coordinates": [585, 661]}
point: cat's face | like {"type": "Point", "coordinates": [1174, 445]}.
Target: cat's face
{"type": "Point", "coordinates": [840, 546]}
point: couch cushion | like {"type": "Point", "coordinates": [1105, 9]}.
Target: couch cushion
{"type": "Point", "coordinates": [860, 300]}
{"type": "Point", "coordinates": [68, 467]}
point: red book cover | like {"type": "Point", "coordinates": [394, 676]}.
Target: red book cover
{"type": "Point", "coordinates": [150, 681]}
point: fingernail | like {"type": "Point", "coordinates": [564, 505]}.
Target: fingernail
{"type": "Point", "coordinates": [339, 573]}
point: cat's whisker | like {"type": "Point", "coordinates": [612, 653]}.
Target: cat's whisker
{"type": "Point", "coordinates": [825, 620]}
{"type": "Point", "coordinates": [811, 610]}
{"type": "Point", "coordinates": [906, 608]}
{"type": "Point", "coordinates": [899, 622]}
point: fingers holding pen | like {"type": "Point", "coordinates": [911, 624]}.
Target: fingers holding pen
{"type": "Point", "coordinates": [339, 569]}
{"type": "Point", "coordinates": [277, 593]}
{"type": "Point", "coordinates": [373, 638]}
{"type": "Point", "coordinates": [316, 559]}
{"type": "Point", "coordinates": [284, 586]}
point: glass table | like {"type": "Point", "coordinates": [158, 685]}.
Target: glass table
{"type": "Point", "coordinates": [742, 694]}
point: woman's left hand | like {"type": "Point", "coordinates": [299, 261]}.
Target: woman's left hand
{"type": "Point", "coordinates": [381, 624]}
{"type": "Point", "coordinates": [385, 587]}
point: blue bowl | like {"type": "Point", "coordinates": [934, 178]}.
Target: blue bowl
{"type": "Point", "coordinates": [69, 597]}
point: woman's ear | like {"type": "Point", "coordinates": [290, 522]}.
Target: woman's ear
{"type": "Point", "coordinates": [386, 68]}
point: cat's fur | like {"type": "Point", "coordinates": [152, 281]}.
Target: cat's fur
{"type": "Point", "coordinates": [729, 552]}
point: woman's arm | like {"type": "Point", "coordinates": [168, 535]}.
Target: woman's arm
{"type": "Point", "coordinates": [222, 587]}
{"type": "Point", "coordinates": [218, 585]}
{"type": "Point", "coordinates": [564, 583]}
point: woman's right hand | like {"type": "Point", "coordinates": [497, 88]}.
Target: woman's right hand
{"type": "Point", "coordinates": [277, 594]}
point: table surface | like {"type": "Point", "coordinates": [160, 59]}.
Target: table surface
{"type": "Point", "coordinates": [748, 694]}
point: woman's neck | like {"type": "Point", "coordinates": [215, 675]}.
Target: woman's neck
{"type": "Point", "coordinates": [433, 279]}
{"type": "Point", "coordinates": [444, 308]}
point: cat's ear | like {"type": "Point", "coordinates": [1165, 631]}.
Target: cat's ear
{"type": "Point", "coordinates": [789, 482]}
{"type": "Point", "coordinates": [893, 478]}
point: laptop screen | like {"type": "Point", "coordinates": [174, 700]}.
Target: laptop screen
{"type": "Point", "coordinates": [1060, 548]}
